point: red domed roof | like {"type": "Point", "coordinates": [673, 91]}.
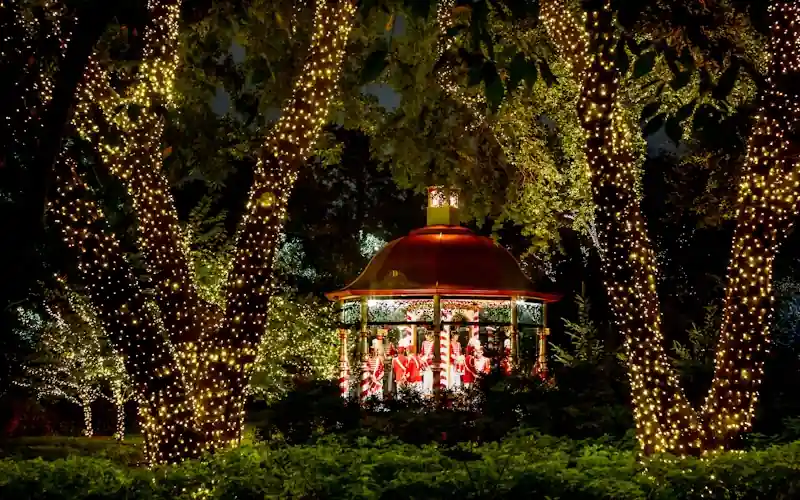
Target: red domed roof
{"type": "Point", "coordinates": [443, 260]}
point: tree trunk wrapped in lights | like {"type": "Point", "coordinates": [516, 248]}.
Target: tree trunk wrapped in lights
{"type": "Point", "coordinates": [190, 361]}
{"type": "Point", "coordinates": [767, 203]}
{"type": "Point", "coordinates": [665, 421]}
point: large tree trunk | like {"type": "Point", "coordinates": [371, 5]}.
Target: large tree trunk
{"type": "Point", "coordinates": [663, 415]}
{"type": "Point", "coordinates": [190, 364]}
{"type": "Point", "coordinates": [768, 196]}
{"type": "Point", "coordinates": [768, 202]}
{"type": "Point", "coordinates": [233, 348]}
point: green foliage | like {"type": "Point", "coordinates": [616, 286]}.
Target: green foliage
{"type": "Point", "coordinates": [59, 447]}
{"type": "Point", "coordinates": [702, 341]}
{"type": "Point", "coordinates": [586, 347]}
{"type": "Point", "coordinates": [586, 402]}
{"type": "Point", "coordinates": [301, 343]}
{"type": "Point", "coordinates": [526, 465]}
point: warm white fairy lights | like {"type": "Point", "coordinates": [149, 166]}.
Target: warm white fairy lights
{"type": "Point", "coordinates": [767, 202]}
{"type": "Point", "coordinates": [288, 145]}
{"type": "Point", "coordinates": [190, 360]}
{"type": "Point", "coordinates": [446, 76]}
{"type": "Point", "coordinates": [664, 419]}
{"type": "Point", "coordinates": [74, 362]}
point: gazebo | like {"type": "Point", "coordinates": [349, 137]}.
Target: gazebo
{"type": "Point", "coordinates": [429, 297]}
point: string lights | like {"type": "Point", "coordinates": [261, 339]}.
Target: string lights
{"type": "Point", "coordinates": [73, 361]}
{"type": "Point", "coordinates": [190, 360]}
{"type": "Point", "coordinates": [250, 280]}
{"type": "Point", "coordinates": [767, 201]}
{"type": "Point", "coordinates": [664, 419]}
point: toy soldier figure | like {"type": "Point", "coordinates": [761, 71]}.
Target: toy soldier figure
{"type": "Point", "coordinates": [426, 363]}
{"type": "Point", "coordinates": [405, 340]}
{"type": "Point", "coordinates": [457, 362]}
{"type": "Point", "coordinates": [476, 367]}
{"type": "Point", "coordinates": [400, 368]}
{"type": "Point", "coordinates": [474, 343]}
{"type": "Point", "coordinates": [413, 372]}
{"type": "Point", "coordinates": [505, 362]}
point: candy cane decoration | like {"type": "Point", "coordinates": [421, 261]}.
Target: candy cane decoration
{"type": "Point", "coordinates": [444, 351]}
{"type": "Point", "coordinates": [365, 382]}
{"type": "Point", "coordinates": [344, 366]}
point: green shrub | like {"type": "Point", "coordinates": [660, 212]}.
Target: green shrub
{"type": "Point", "coordinates": [522, 466]}
{"type": "Point", "coordinates": [582, 405]}
{"type": "Point", "coordinates": [129, 452]}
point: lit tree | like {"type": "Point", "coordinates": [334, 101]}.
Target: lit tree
{"type": "Point", "coordinates": [73, 360]}
{"type": "Point", "coordinates": [767, 199]}
{"type": "Point", "coordinates": [189, 360]}
{"type": "Point", "coordinates": [301, 343]}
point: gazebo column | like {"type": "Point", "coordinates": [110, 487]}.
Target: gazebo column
{"type": "Point", "coordinates": [344, 368]}
{"type": "Point", "coordinates": [544, 332]}
{"type": "Point", "coordinates": [364, 350]}
{"type": "Point", "coordinates": [514, 357]}
{"type": "Point", "coordinates": [438, 376]}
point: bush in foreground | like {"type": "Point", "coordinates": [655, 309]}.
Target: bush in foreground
{"type": "Point", "coordinates": [522, 466]}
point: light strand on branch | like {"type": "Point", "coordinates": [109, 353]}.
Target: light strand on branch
{"type": "Point", "coordinates": [234, 347]}
{"type": "Point", "coordinates": [767, 202]}
{"type": "Point", "coordinates": [129, 319]}
{"type": "Point", "coordinates": [768, 196]}
{"type": "Point", "coordinates": [446, 76]}
{"type": "Point", "coordinates": [664, 419]}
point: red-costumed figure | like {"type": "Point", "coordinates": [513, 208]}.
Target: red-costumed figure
{"type": "Point", "coordinates": [413, 372]}
{"type": "Point", "coordinates": [400, 368]}
{"type": "Point", "coordinates": [474, 344]}
{"type": "Point", "coordinates": [476, 367]}
{"type": "Point", "coordinates": [505, 362]}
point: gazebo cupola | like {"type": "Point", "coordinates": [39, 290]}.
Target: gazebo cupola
{"type": "Point", "coordinates": [435, 294]}
{"type": "Point", "coordinates": [443, 207]}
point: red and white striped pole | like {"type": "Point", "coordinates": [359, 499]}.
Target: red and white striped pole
{"type": "Point", "coordinates": [344, 368]}
{"type": "Point", "coordinates": [364, 381]}
{"type": "Point", "coordinates": [444, 352]}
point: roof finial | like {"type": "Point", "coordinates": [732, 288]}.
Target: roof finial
{"type": "Point", "coordinates": [443, 206]}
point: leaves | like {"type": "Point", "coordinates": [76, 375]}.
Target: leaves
{"type": "Point", "coordinates": [521, 69]}
{"type": "Point", "coordinates": [547, 75]}
{"type": "Point", "coordinates": [493, 86]}
{"type": "Point", "coordinates": [374, 64]}
{"type": "Point", "coordinates": [622, 60]}
{"type": "Point", "coordinates": [673, 129]}
{"type": "Point", "coordinates": [654, 124]}
{"type": "Point", "coordinates": [685, 111]}
{"type": "Point", "coordinates": [650, 109]}
{"type": "Point", "coordinates": [726, 81]}
{"type": "Point", "coordinates": [681, 79]}
{"type": "Point", "coordinates": [644, 64]}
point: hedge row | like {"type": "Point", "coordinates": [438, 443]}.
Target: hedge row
{"type": "Point", "coordinates": [523, 466]}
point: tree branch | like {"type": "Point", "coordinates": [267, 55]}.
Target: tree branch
{"type": "Point", "coordinates": [130, 319]}
{"type": "Point", "coordinates": [768, 200]}
{"type": "Point", "coordinates": [138, 163]}
{"type": "Point", "coordinates": [233, 349]}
